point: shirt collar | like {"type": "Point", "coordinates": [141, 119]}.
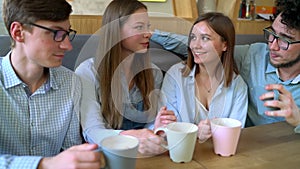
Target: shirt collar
{"type": "Point", "coordinates": [11, 79]}
{"type": "Point", "coordinates": [54, 78]}
{"type": "Point", "coordinates": [296, 80]}
{"type": "Point", "coordinates": [272, 69]}
{"type": "Point", "coordinates": [193, 71]}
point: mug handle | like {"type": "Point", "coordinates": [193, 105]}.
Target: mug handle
{"type": "Point", "coordinates": [100, 150]}
{"type": "Point", "coordinates": [164, 130]}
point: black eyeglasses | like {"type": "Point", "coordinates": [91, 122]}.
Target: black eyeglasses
{"type": "Point", "coordinates": [59, 35]}
{"type": "Point", "coordinates": [282, 42]}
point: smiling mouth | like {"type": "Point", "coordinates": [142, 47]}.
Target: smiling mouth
{"type": "Point", "coordinates": [199, 53]}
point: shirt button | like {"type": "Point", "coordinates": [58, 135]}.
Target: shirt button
{"type": "Point", "coordinates": [32, 124]}
{"type": "Point", "coordinates": [47, 87]}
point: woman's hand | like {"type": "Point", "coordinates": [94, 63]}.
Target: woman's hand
{"type": "Point", "coordinates": [164, 117]}
{"type": "Point", "coordinates": [149, 143]}
{"type": "Point", "coordinates": [204, 130]}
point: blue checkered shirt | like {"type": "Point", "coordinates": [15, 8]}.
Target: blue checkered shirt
{"type": "Point", "coordinates": [41, 124]}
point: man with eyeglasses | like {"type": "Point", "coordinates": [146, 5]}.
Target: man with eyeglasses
{"type": "Point", "coordinates": [39, 99]}
{"type": "Point", "coordinates": [275, 67]}
{"type": "Point", "coordinates": [272, 70]}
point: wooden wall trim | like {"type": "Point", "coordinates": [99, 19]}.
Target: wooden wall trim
{"type": "Point", "coordinates": [89, 24]}
{"type": "Point", "coordinates": [185, 8]}
{"type": "Point", "coordinates": [85, 24]}
{"type": "Point", "coordinates": [185, 12]}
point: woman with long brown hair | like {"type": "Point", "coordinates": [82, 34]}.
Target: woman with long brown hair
{"type": "Point", "coordinates": [207, 84]}
{"type": "Point", "coordinates": [119, 84]}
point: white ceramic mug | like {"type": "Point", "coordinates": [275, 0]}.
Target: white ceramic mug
{"type": "Point", "coordinates": [181, 139]}
{"type": "Point", "coordinates": [120, 151]}
{"type": "Point", "coordinates": [225, 135]}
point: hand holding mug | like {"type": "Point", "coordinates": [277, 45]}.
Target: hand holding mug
{"type": "Point", "coordinates": [164, 117]}
{"type": "Point", "coordinates": [149, 143]}
{"type": "Point", "coordinates": [285, 103]}
{"type": "Point", "coordinates": [80, 156]}
{"type": "Point", "coordinates": [204, 131]}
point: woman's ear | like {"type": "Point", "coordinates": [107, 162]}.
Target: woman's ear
{"type": "Point", "coordinates": [224, 46]}
{"type": "Point", "coordinates": [16, 31]}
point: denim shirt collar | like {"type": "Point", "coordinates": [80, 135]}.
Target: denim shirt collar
{"type": "Point", "coordinates": [271, 69]}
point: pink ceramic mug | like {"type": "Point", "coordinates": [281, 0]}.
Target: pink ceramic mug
{"type": "Point", "coordinates": [225, 135]}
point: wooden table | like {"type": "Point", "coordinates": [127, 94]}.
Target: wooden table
{"type": "Point", "coordinates": [268, 146]}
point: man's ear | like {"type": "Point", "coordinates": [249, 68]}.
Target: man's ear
{"type": "Point", "coordinates": [16, 31]}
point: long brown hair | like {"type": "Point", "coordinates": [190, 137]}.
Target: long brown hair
{"type": "Point", "coordinates": [109, 58]}
{"type": "Point", "coordinates": [223, 26]}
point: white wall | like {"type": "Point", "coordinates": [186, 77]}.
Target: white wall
{"type": "Point", "coordinates": [2, 27]}
{"type": "Point", "coordinates": [97, 7]}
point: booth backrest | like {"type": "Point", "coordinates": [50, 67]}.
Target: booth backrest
{"type": "Point", "coordinates": [84, 48]}
{"type": "Point", "coordinates": [4, 44]}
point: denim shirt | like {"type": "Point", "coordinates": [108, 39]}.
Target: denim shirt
{"type": "Point", "coordinates": [254, 66]}
{"type": "Point", "coordinates": [133, 111]}
{"type": "Point", "coordinates": [176, 43]}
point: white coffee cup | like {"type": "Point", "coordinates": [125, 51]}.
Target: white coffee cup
{"type": "Point", "coordinates": [120, 151]}
{"type": "Point", "coordinates": [225, 135]}
{"type": "Point", "coordinates": [181, 139]}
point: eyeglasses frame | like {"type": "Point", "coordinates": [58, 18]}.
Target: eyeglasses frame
{"type": "Point", "coordinates": [278, 37]}
{"type": "Point", "coordinates": [55, 32]}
